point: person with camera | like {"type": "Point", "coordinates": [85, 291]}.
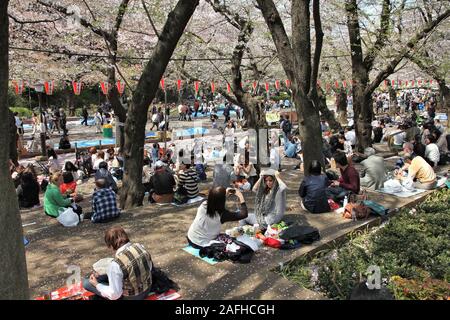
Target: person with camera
{"type": "Point", "coordinates": [212, 214]}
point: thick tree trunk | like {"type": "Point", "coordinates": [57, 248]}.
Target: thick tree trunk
{"type": "Point", "coordinates": [444, 97]}
{"type": "Point", "coordinates": [341, 106]}
{"type": "Point", "coordinates": [393, 104]}
{"type": "Point", "coordinates": [13, 275]}
{"type": "Point", "coordinates": [362, 106]}
{"type": "Point", "coordinates": [310, 131]}
{"type": "Point", "coordinates": [326, 113]}
{"type": "Point", "coordinates": [132, 192]}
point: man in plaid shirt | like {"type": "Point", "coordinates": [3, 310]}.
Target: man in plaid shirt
{"type": "Point", "coordinates": [104, 205]}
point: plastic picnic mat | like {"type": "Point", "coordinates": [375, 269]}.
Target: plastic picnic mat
{"type": "Point", "coordinates": [410, 193]}
{"type": "Point", "coordinates": [196, 253]}
{"type": "Point", "coordinates": [77, 292]}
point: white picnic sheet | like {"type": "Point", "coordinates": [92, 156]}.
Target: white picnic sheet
{"type": "Point", "coordinates": [405, 193]}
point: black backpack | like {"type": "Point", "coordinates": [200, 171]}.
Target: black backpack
{"type": "Point", "coordinates": [287, 126]}
{"type": "Point", "coordinates": [303, 234]}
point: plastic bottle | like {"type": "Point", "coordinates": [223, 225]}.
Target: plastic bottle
{"type": "Point", "coordinates": [345, 201]}
{"type": "Point", "coordinates": [353, 215]}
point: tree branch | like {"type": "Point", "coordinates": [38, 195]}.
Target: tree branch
{"type": "Point", "coordinates": [412, 43]}
{"type": "Point", "coordinates": [150, 18]}
{"type": "Point", "coordinates": [32, 21]}
{"type": "Point", "coordinates": [382, 35]}
{"type": "Point", "coordinates": [279, 35]}
{"type": "Point", "coordinates": [318, 49]}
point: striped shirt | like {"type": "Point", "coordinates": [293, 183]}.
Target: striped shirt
{"type": "Point", "coordinates": [189, 179]}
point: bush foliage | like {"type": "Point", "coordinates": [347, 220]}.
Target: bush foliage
{"type": "Point", "coordinates": [411, 249]}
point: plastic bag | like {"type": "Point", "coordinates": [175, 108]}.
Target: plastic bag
{"type": "Point", "coordinates": [393, 186]}
{"type": "Point", "coordinates": [408, 184]}
{"type": "Point", "coordinates": [68, 218]}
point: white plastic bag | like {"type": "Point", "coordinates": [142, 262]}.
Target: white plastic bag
{"type": "Point", "coordinates": [393, 186]}
{"type": "Point", "coordinates": [68, 218]}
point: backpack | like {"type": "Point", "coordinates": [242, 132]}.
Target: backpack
{"type": "Point", "coordinates": [303, 234]}
{"type": "Point", "coordinates": [180, 196]}
{"type": "Point", "coordinates": [287, 126]}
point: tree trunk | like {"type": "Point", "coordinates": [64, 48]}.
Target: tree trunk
{"type": "Point", "coordinates": [13, 136]}
{"type": "Point", "coordinates": [70, 102]}
{"type": "Point", "coordinates": [393, 104]}
{"type": "Point", "coordinates": [444, 96]}
{"type": "Point", "coordinates": [326, 113]}
{"type": "Point", "coordinates": [132, 192]}
{"type": "Point", "coordinates": [13, 276]}
{"type": "Point", "coordinates": [362, 106]}
{"type": "Point", "coordinates": [310, 131]}
{"type": "Point", "coordinates": [341, 106]}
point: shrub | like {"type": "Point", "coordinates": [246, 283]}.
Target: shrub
{"type": "Point", "coordinates": [23, 112]}
{"type": "Point", "coordinates": [422, 289]}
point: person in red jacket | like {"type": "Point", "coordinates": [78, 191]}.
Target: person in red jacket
{"type": "Point", "coordinates": [347, 183]}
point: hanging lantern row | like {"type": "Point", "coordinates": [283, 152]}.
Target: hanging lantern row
{"type": "Point", "coordinates": [19, 85]}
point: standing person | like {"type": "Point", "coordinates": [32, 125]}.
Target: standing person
{"type": "Point", "coordinates": [34, 123]}
{"type": "Point", "coordinates": [155, 121]}
{"type": "Point", "coordinates": [180, 112]}
{"type": "Point", "coordinates": [129, 275]}
{"type": "Point", "coordinates": [228, 134]}
{"type": "Point", "coordinates": [63, 121]}
{"type": "Point", "coordinates": [270, 201]}
{"type": "Point", "coordinates": [56, 119]}
{"type": "Point", "coordinates": [226, 113]}
{"type": "Point", "coordinates": [196, 107]}
{"type": "Point", "coordinates": [286, 127]}
{"type": "Point", "coordinates": [98, 122]}
{"type": "Point", "coordinates": [85, 115]}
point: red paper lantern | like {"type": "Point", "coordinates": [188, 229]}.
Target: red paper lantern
{"type": "Point", "coordinates": [406, 83]}
{"type": "Point", "coordinates": [49, 87]}
{"type": "Point", "coordinates": [344, 84]}
{"type": "Point", "coordinates": [336, 84]}
{"type": "Point", "coordinates": [267, 87]}
{"type": "Point", "coordinates": [228, 88]}
{"type": "Point", "coordinates": [162, 84]}
{"type": "Point", "coordinates": [419, 82]}
{"type": "Point", "coordinates": [197, 85]}
{"type": "Point", "coordinates": [213, 87]}
{"type": "Point", "coordinates": [412, 83]}
{"type": "Point", "coordinates": [105, 87]}
{"type": "Point", "coordinates": [120, 87]}
{"type": "Point", "coordinates": [77, 87]}
{"type": "Point", "coordinates": [288, 83]}
{"type": "Point", "coordinates": [18, 86]}
{"type": "Point", "coordinates": [254, 85]}
{"type": "Point", "coordinates": [179, 84]}
{"type": "Point", "coordinates": [277, 85]}
{"type": "Point", "coordinates": [393, 82]}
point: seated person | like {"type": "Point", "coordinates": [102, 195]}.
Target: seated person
{"type": "Point", "coordinates": [432, 154]}
{"type": "Point", "coordinates": [348, 150]}
{"type": "Point", "coordinates": [188, 178]}
{"type": "Point", "coordinates": [419, 147]}
{"type": "Point", "coordinates": [104, 203]}
{"type": "Point", "coordinates": [64, 143]}
{"type": "Point", "coordinates": [244, 168]}
{"type": "Point", "coordinates": [374, 172]}
{"type": "Point", "coordinates": [129, 275]}
{"type": "Point", "coordinates": [69, 185]}
{"type": "Point", "coordinates": [241, 184]}
{"type": "Point", "coordinates": [99, 159]}
{"type": "Point", "coordinates": [54, 164]}
{"type": "Point", "coordinates": [408, 148]}
{"type": "Point", "coordinates": [103, 173]}
{"type": "Point", "coordinates": [270, 200]}
{"type": "Point", "coordinates": [290, 148]}
{"type": "Point", "coordinates": [348, 182]}
{"type": "Point", "coordinates": [162, 184]}
{"type": "Point", "coordinates": [54, 200]}
{"type": "Point", "coordinates": [313, 189]}
{"type": "Point", "coordinates": [419, 171]}
{"type": "Point", "coordinates": [212, 214]}
{"type": "Point", "coordinates": [77, 173]}
{"type": "Point", "coordinates": [28, 190]}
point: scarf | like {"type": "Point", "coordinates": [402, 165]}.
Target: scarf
{"type": "Point", "coordinates": [264, 202]}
